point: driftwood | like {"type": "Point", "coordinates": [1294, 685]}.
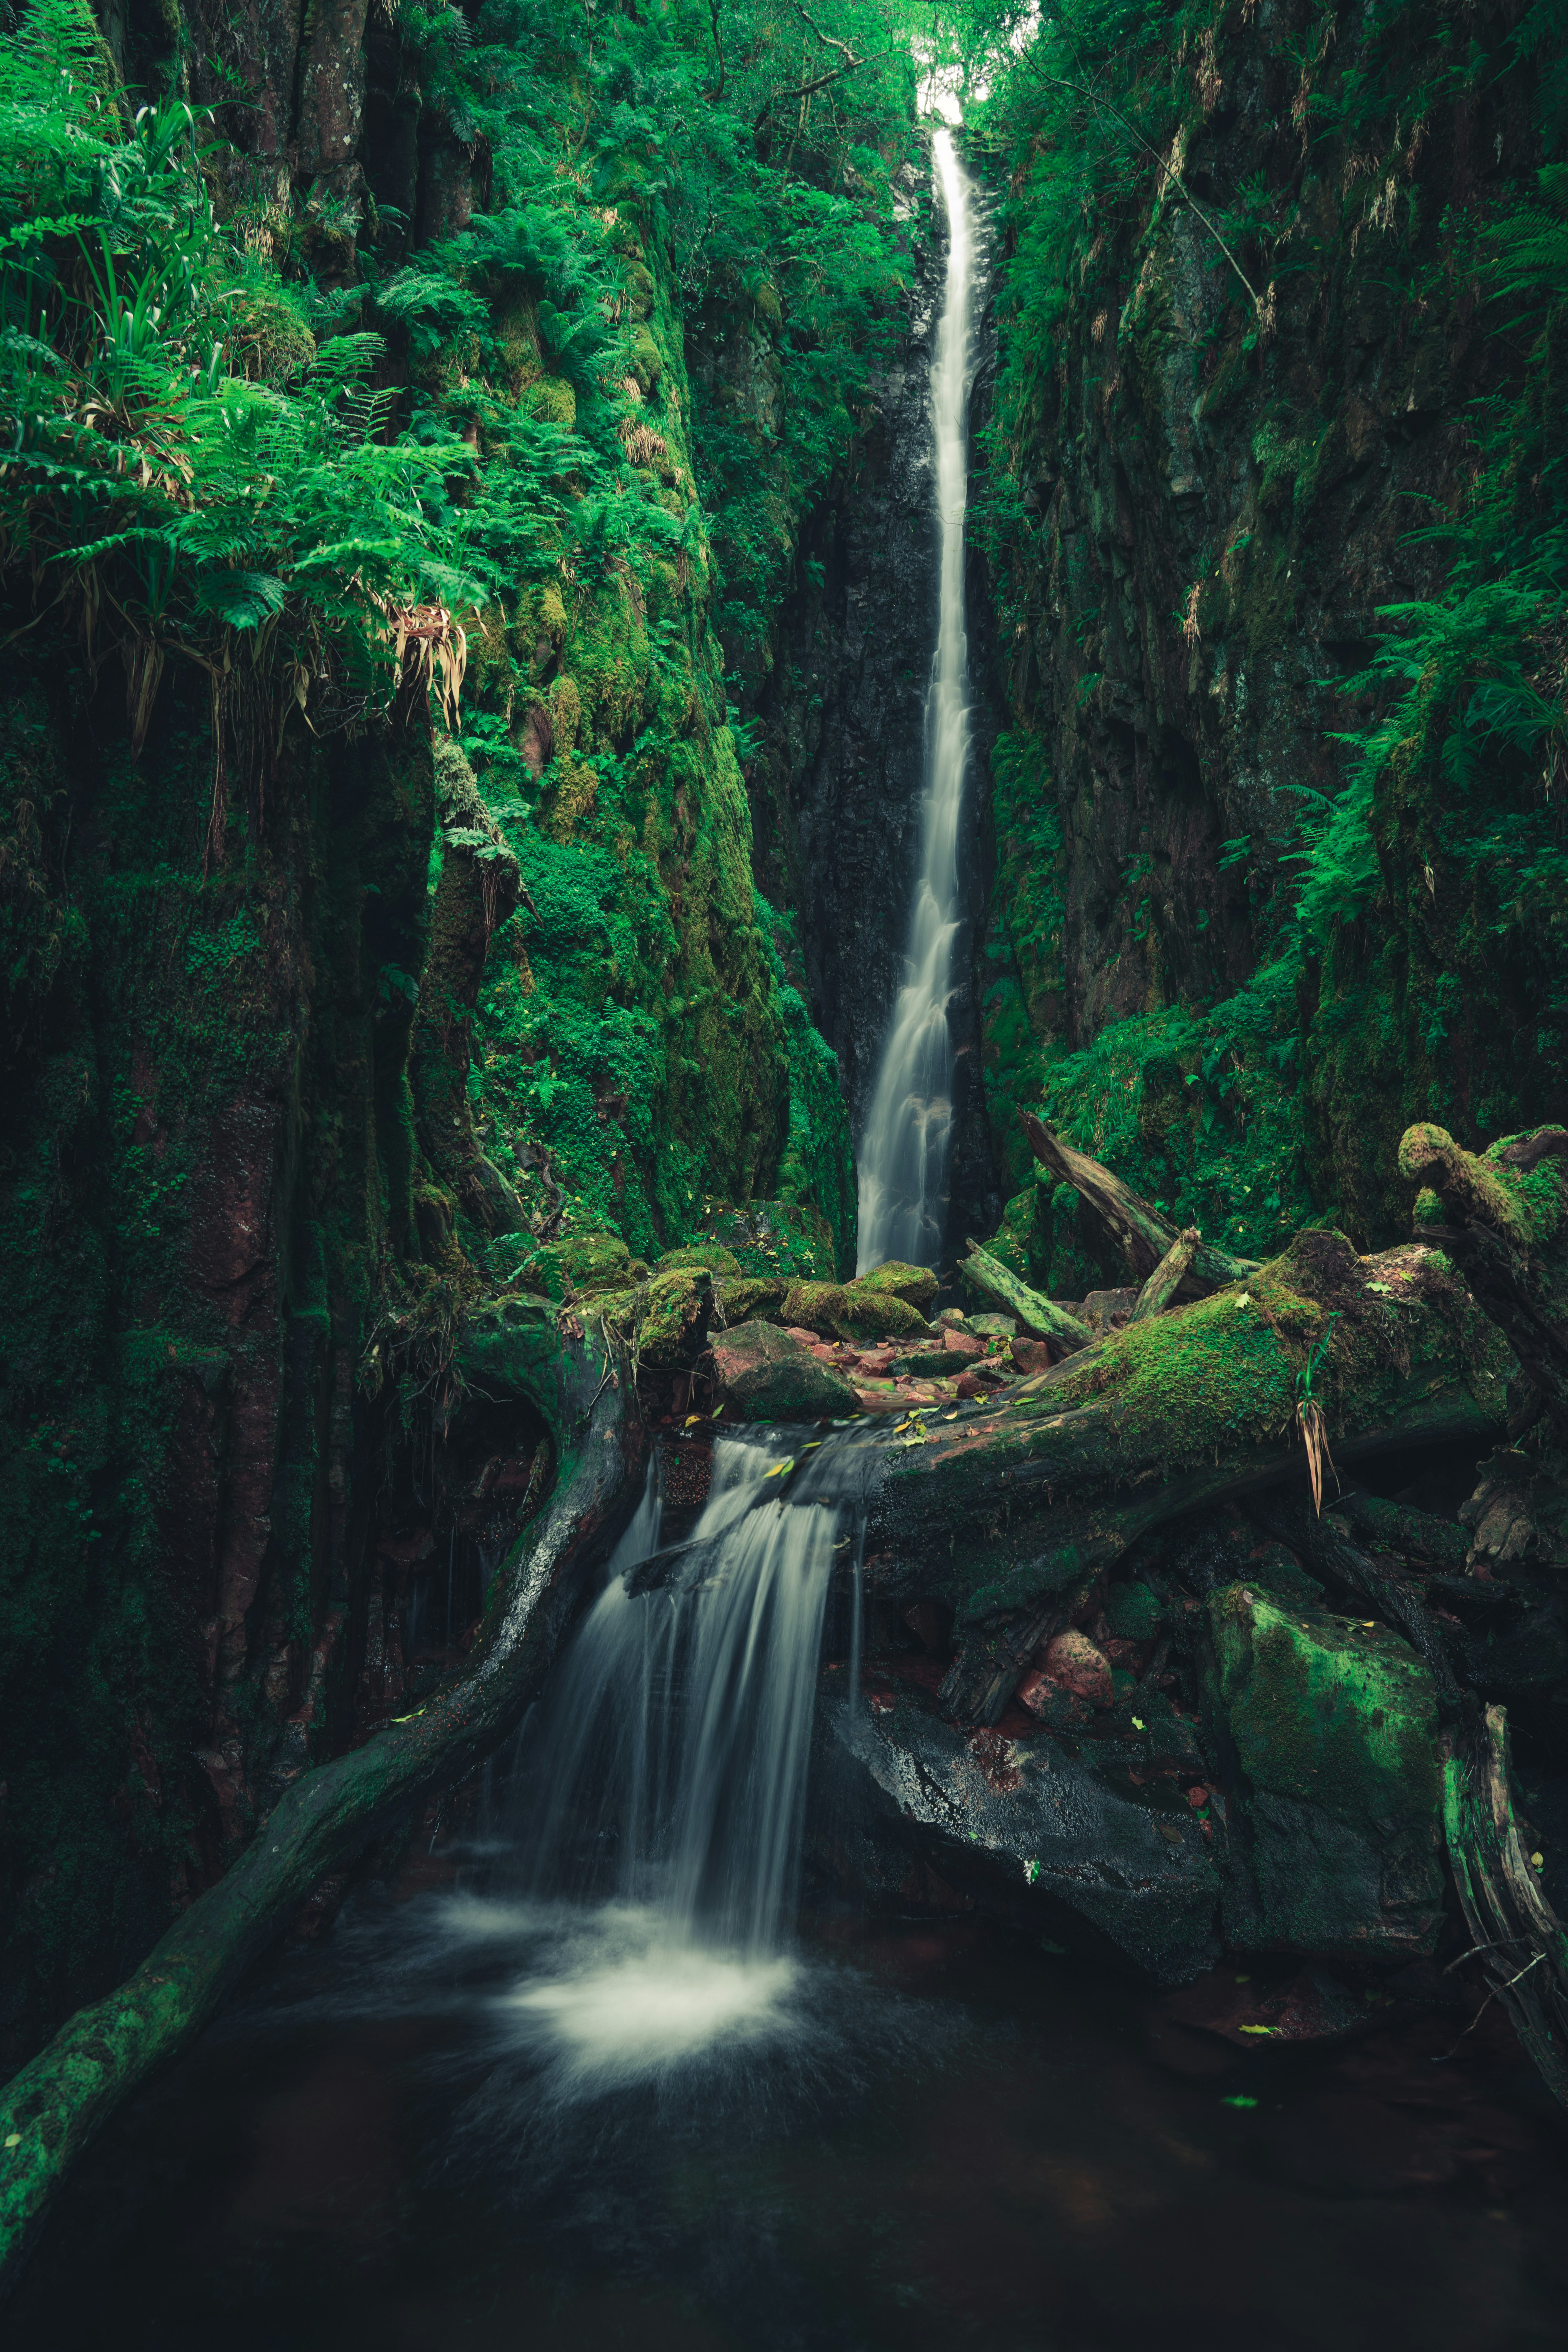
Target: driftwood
{"type": "Point", "coordinates": [1160, 1291]}
{"type": "Point", "coordinates": [1143, 1235]}
{"type": "Point", "coordinates": [55, 2106]}
{"type": "Point", "coordinates": [1041, 1318]}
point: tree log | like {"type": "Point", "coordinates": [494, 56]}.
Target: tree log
{"type": "Point", "coordinates": [1041, 1318]}
{"type": "Point", "coordinates": [1143, 1235]}
{"type": "Point", "coordinates": [1502, 1216]}
{"type": "Point", "coordinates": [55, 2106]}
{"type": "Point", "coordinates": [1003, 1512]}
{"type": "Point", "coordinates": [1159, 1290]}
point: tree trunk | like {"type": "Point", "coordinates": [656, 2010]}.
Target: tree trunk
{"type": "Point", "coordinates": [1143, 1235]}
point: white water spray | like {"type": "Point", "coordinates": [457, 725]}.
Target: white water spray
{"type": "Point", "coordinates": [904, 1156]}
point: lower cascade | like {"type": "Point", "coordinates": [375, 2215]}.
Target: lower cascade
{"type": "Point", "coordinates": [661, 1789]}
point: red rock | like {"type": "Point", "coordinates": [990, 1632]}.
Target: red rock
{"type": "Point", "coordinates": [1073, 1664]}
{"type": "Point", "coordinates": [1031, 1355]}
{"type": "Point", "coordinates": [962, 1343]}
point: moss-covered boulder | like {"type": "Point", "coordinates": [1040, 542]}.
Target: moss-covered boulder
{"type": "Point", "coordinates": [673, 1316]}
{"type": "Point", "coordinates": [1327, 1729]}
{"type": "Point", "coordinates": [915, 1285]}
{"type": "Point", "coordinates": [579, 1265]}
{"type": "Point", "coordinates": [852, 1310]}
{"type": "Point", "coordinates": [768, 1376]}
{"type": "Point", "coordinates": [751, 1298]}
{"type": "Point", "coordinates": [789, 1239]}
{"type": "Point", "coordinates": [711, 1254]}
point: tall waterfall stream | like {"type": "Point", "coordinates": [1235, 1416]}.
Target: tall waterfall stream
{"type": "Point", "coordinates": [593, 2075]}
{"type": "Point", "coordinates": [904, 1156]}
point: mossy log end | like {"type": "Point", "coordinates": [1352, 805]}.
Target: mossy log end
{"type": "Point", "coordinates": [998, 1513]}
{"type": "Point", "coordinates": [1143, 1235]}
{"type": "Point", "coordinates": [1041, 1318]}
{"type": "Point", "coordinates": [1502, 1216]}
{"type": "Point", "coordinates": [52, 2109]}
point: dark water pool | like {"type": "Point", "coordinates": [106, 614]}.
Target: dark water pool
{"type": "Point", "coordinates": [443, 2128]}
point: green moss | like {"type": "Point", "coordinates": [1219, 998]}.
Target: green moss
{"type": "Point", "coordinates": [852, 1310]}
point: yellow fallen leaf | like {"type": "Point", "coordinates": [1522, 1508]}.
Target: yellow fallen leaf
{"type": "Point", "coordinates": [780, 1467]}
{"type": "Point", "coordinates": [1538, 1862]}
{"type": "Point", "coordinates": [1138, 1724]}
{"type": "Point", "coordinates": [693, 1419]}
{"type": "Point", "coordinates": [13, 2139]}
{"type": "Point", "coordinates": [1259, 2029]}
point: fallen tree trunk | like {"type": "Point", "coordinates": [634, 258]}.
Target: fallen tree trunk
{"type": "Point", "coordinates": [1021, 1505]}
{"type": "Point", "coordinates": [54, 2107]}
{"type": "Point", "coordinates": [1502, 1216]}
{"type": "Point", "coordinates": [1144, 1236]}
{"type": "Point", "coordinates": [1160, 1291]}
{"type": "Point", "coordinates": [1041, 1318]}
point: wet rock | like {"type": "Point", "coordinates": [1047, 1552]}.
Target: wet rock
{"type": "Point", "coordinates": [963, 1343]}
{"type": "Point", "coordinates": [1073, 1663]}
{"type": "Point", "coordinates": [717, 1260]}
{"type": "Point", "coordinates": [1327, 1733]}
{"type": "Point", "coordinates": [852, 1310]}
{"type": "Point", "coordinates": [580, 1264]}
{"type": "Point", "coordinates": [992, 1326]}
{"type": "Point", "coordinates": [915, 1285]}
{"type": "Point", "coordinates": [1031, 1356]}
{"type": "Point", "coordinates": [672, 1317]}
{"type": "Point", "coordinates": [751, 1298]}
{"type": "Point", "coordinates": [1058, 1709]}
{"type": "Point", "coordinates": [768, 1375]}
{"type": "Point", "coordinates": [1107, 1310]}
{"type": "Point", "coordinates": [1031, 1833]}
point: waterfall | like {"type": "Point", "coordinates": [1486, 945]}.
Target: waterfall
{"type": "Point", "coordinates": [664, 1804]}
{"type": "Point", "coordinates": [904, 1150]}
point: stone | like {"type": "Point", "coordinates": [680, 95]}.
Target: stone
{"type": "Point", "coordinates": [1107, 1310]}
{"type": "Point", "coordinates": [580, 1264]}
{"type": "Point", "coordinates": [1060, 1709]}
{"type": "Point", "coordinates": [1074, 1663]}
{"type": "Point", "coordinates": [712, 1254]}
{"type": "Point", "coordinates": [992, 1326]}
{"type": "Point", "coordinates": [768, 1375]}
{"type": "Point", "coordinates": [1336, 1780]}
{"type": "Point", "coordinates": [751, 1298]}
{"type": "Point", "coordinates": [1031, 1356]}
{"type": "Point", "coordinates": [849, 1310]}
{"type": "Point", "coordinates": [915, 1285]}
{"type": "Point", "coordinates": [672, 1317]}
{"type": "Point", "coordinates": [1133, 1613]}
{"type": "Point", "coordinates": [1031, 1833]}
{"type": "Point", "coordinates": [962, 1344]}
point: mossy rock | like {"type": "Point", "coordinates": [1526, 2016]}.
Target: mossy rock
{"type": "Point", "coordinates": [848, 1310]}
{"type": "Point", "coordinates": [748, 1299]}
{"type": "Point", "coordinates": [787, 1238]}
{"type": "Point", "coordinates": [992, 1326]}
{"type": "Point", "coordinates": [712, 1254]}
{"type": "Point", "coordinates": [1333, 1725]}
{"type": "Point", "coordinates": [915, 1285]}
{"type": "Point", "coordinates": [551, 401]}
{"type": "Point", "coordinates": [1133, 1613]}
{"type": "Point", "coordinates": [672, 1317]}
{"type": "Point", "coordinates": [768, 1376]}
{"type": "Point", "coordinates": [581, 1263]}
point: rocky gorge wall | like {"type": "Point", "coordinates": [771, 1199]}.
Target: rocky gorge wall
{"type": "Point", "coordinates": [1230, 961]}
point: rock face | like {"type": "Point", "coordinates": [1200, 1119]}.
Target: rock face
{"type": "Point", "coordinates": [1060, 1844]}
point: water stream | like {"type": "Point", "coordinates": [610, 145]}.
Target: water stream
{"type": "Point", "coordinates": [904, 1156]}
